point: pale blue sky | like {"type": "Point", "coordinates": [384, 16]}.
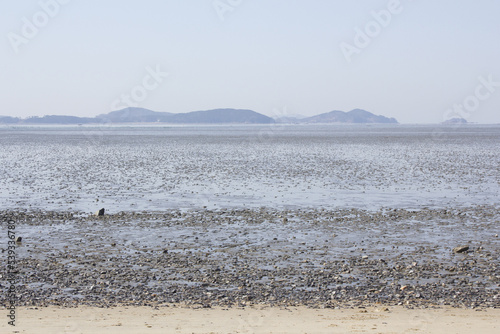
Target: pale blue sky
{"type": "Point", "coordinates": [273, 56]}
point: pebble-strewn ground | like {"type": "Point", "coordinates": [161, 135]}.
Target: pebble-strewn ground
{"type": "Point", "coordinates": [319, 258]}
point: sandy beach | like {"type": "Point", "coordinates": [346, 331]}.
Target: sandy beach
{"type": "Point", "coordinates": [252, 320]}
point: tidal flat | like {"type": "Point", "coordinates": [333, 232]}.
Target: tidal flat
{"type": "Point", "coordinates": [318, 216]}
{"type": "Point", "coordinates": [136, 168]}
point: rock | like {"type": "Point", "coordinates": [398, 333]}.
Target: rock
{"type": "Point", "coordinates": [460, 249]}
{"type": "Point", "coordinates": [19, 239]}
{"type": "Point", "coordinates": [100, 212]}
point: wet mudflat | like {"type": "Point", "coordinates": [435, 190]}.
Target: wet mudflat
{"type": "Point", "coordinates": [242, 257]}
{"type": "Point", "coordinates": [323, 216]}
{"type": "Point", "coordinates": [157, 168]}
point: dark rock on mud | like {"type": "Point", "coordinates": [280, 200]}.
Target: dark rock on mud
{"type": "Point", "coordinates": [460, 249]}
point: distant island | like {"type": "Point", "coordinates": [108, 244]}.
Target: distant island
{"type": "Point", "coordinates": [353, 116]}
{"type": "Point", "coordinates": [455, 120]}
{"type": "Point", "coordinates": [214, 116]}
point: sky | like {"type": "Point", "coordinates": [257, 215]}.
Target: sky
{"type": "Point", "coordinates": [420, 61]}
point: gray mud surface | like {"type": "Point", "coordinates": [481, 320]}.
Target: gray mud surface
{"type": "Point", "coordinates": [278, 166]}
{"type": "Point", "coordinates": [241, 257]}
{"type": "Point", "coordinates": [323, 216]}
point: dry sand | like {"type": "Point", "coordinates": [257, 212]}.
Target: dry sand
{"type": "Point", "coordinates": [125, 320]}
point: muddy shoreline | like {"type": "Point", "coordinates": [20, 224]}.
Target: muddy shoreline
{"type": "Point", "coordinates": [245, 257]}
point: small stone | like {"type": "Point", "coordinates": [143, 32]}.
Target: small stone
{"type": "Point", "coordinates": [19, 239]}
{"type": "Point", "coordinates": [460, 249]}
{"type": "Point", "coordinates": [100, 212]}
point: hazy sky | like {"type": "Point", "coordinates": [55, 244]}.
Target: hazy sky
{"type": "Point", "coordinates": [419, 61]}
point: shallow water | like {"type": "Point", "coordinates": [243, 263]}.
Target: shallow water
{"type": "Point", "coordinates": [136, 168]}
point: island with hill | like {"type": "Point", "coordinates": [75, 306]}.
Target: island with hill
{"type": "Point", "coordinates": [214, 116]}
